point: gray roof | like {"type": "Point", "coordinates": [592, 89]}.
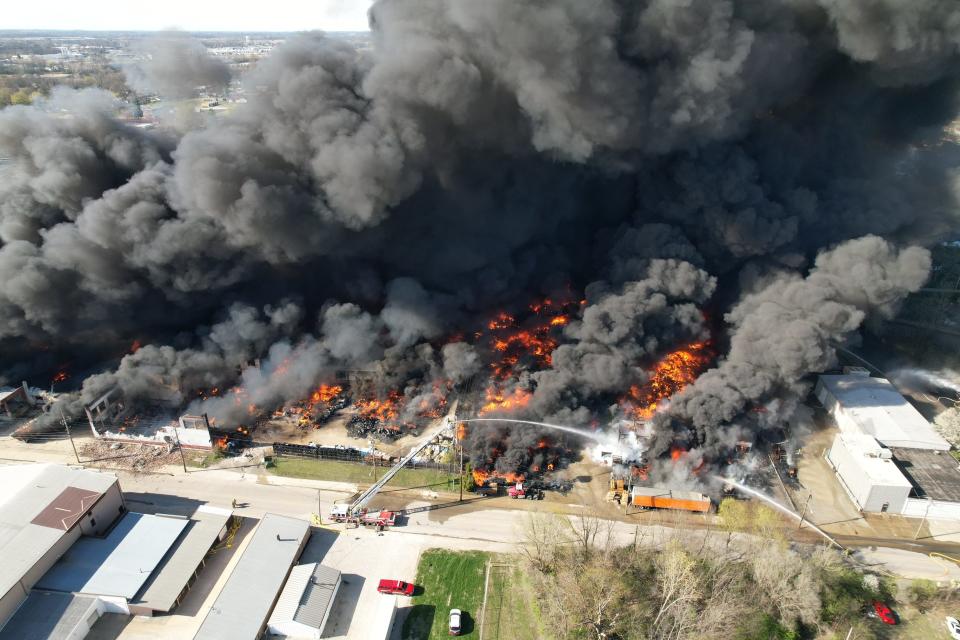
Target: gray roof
{"type": "Point", "coordinates": [119, 564]}
{"type": "Point", "coordinates": [307, 596]}
{"type": "Point", "coordinates": [161, 591]}
{"type": "Point", "coordinates": [933, 474]}
{"type": "Point", "coordinates": [879, 410]}
{"type": "Point", "coordinates": [243, 605]}
{"type": "Point", "coordinates": [28, 489]}
{"type": "Point", "coordinates": [47, 615]}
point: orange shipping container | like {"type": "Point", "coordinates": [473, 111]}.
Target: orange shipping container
{"type": "Point", "coordinates": [660, 498]}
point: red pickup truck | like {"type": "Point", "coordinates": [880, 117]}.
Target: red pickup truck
{"type": "Point", "coordinates": [395, 587]}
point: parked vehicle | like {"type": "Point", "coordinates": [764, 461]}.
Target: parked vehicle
{"type": "Point", "coordinates": [953, 626]}
{"type": "Point", "coordinates": [455, 621]}
{"type": "Point", "coordinates": [395, 587]}
{"type": "Point", "coordinates": [527, 492]}
{"type": "Point", "coordinates": [884, 613]}
{"type": "Point", "coordinates": [378, 519]}
{"type": "Point", "coordinates": [487, 490]}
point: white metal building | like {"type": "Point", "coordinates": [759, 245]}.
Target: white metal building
{"type": "Point", "coordinates": [305, 602]}
{"type": "Point", "coordinates": [887, 456]}
{"type": "Point", "coordinates": [868, 474]}
{"type": "Point", "coordinates": [872, 406]}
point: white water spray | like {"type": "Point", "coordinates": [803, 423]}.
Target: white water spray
{"type": "Point", "coordinates": [779, 507]}
{"type": "Point", "coordinates": [576, 432]}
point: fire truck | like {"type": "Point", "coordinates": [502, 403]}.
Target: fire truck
{"type": "Point", "coordinates": [359, 514]}
{"type": "Point", "coordinates": [363, 517]}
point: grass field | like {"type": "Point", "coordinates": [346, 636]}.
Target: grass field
{"type": "Point", "coordinates": [448, 580]}
{"type": "Point", "coordinates": [511, 610]}
{"type": "Point", "coordinates": [361, 473]}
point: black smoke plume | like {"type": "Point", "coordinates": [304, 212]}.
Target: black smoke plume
{"type": "Point", "coordinates": [719, 169]}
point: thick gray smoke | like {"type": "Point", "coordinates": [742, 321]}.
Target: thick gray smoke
{"type": "Point", "coordinates": [678, 163]}
{"type": "Point", "coordinates": [174, 65]}
{"type": "Point", "coordinates": [785, 330]}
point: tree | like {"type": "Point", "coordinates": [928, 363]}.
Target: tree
{"type": "Point", "coordinates": [543, 538]}
{"type": "Point", "coordinates": [734, 516]}
{"type": "Point", "coordinates": [678, 591]}
{"type": "Point", "coordinates": [586, 528]}
{"type": "Point", "coordinates": [947, 424]}
{"type": "Point", "coordinates": [21, 97]}
{"type": "Point", "coordinates": [597, 599]}
{"type": "Point", "coordinates": [785, 582]}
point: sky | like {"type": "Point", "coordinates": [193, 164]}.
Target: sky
{"type": "Point", "coordinates": [189, 15]}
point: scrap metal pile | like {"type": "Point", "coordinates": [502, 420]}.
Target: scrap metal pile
{"type": "Point", "coordinates": [380, 419]}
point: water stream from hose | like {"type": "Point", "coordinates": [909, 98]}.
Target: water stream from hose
{"type": "Point", "coordinates": [558, 427]}
{"type": "Point", "coordinates": [780, 507]}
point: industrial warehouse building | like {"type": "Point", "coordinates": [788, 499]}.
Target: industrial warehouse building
{"type": "Point", "coordinates": [44, 510]}
{"type": "Point", "coordinates": [71, 552]}
{"type": "Point", "coordinates": [887, 456]}
{"type": "Point", "coordinates": [246, 600]}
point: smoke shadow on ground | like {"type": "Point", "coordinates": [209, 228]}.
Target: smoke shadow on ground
{"type": "Point", "coordinates": [109, 626]}
{"type": "Point", "coordinates": [442, 505]}
{"type": "Point", "coordinates": [584, 479]}
{"type": "Point", "coordinates": [319, 544]}
{"type": "Point", "coordinates": [434, 485]}
{"type": "Point", "coordinates": [215, 564]}
{"type": "Point", "coordinates": [160, 503]}
{"type": "Point", "coordinates": [344, 605]}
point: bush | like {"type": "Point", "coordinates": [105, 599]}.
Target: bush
{"type": "Point", "coordinates": [765, 627]}
{"type": "Point", "coordinates": [922, 592]}
{"type": "Point", "coordinates": [845, 595]}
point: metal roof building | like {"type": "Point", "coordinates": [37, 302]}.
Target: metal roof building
{"type": "Point", "coordinates": [119, 564]}
{"type": "Point", "coordinates": [46, 615]}
{"type": "Point", "coordinates": [241, 610]}
{"type": "Point", "coordinates": [868, 473]}
{"type": "Point", "coordinates": [872, 406]}
{"type": "Point", "coordinates": [163, 590]}
{"type": "Point", "coordinates": [44, 509]}
{"type": "Point", "coordinates": [305, 602]}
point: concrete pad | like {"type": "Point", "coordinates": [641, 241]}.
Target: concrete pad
{"type": "Point", "coordinates": [909, 564]}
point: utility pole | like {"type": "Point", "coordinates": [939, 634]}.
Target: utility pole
{"type": "Point", "coordinates": [461, 470]}
{"type": "Point", "coordinates": [180, 449]}
{"type": "Point", "coordinates": [923, 519]}
{"type": "Point", "coordinates": [66, 425]}
{"type": "Point", "coordinates": [804, 512]}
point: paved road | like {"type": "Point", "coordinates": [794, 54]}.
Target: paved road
{"type": "Point", "coordinates": [364, 556]}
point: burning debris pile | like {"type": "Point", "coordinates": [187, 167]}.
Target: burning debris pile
{"type": "Point", "coordinates": [379, 419]}
{"type": "Point", "coordinates": [735, 188]}
{"type": "Point", "coordinates": [316, 410]}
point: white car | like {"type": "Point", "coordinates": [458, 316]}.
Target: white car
{"type": "Point", "coordinates": [455, 615]}
{"type": "Point", "coordinates": [953, 626]}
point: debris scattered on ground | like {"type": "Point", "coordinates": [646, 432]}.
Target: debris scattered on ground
{"type": "Point", "coordinates": [129, 456]}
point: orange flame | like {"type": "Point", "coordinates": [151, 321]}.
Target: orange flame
{"type": "Point", "coordinates": [383, 410]}
{"type": "Point", "coordinates": [676, 452]}
{"type": "Point", "coordinates": [669, 376]}
{"type": "Point", "coordinates": [496, 400]}
{"type": "Point", "coordinates": [60, 377]}
{"type": "Point", "coordinates": [325, 393]}
{"type": "Point", "coordinates": [135, 346]}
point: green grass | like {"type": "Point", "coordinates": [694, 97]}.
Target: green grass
{"type": "Point", "coordinates": [360, 473]}
{"type": "Point", "coordinates": [448, 580]}
{"type": "Point", "coordinates": [202, 459]}
{"type": "Point", "coordinates": [511, 610]}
